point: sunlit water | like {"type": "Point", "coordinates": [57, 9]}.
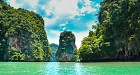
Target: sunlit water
{"type": "Point", "coordinates": [69, 68]}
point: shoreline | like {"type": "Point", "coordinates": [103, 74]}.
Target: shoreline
{"type": "Point", "coordinates": [78, 62]}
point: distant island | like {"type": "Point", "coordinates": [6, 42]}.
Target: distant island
{"type": "Point", "coordinates": [54, 48]}
{"type": "Point", "coordinates": [115, 38]}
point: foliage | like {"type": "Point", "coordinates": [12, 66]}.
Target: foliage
{"type": "Point", "coordinates": [117, 34]}
{"type": "Point", "coordinates": [22, 33]}
{"type": "Point", "coordinates": [53, 47]}
{"type": "Point", "coordinates": [67, 47]}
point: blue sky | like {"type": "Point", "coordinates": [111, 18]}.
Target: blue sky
{"type": "Point", "coordinates": [77, 16]}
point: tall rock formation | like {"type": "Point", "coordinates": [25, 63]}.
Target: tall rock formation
{"type": "Point", "coordinates": [22, 35]}
{"type": "Point", "coordinates": [117, 36]}
{"type": "Point", "coordinates": [67, 49]}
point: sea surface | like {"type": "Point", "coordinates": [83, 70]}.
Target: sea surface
{"type": "Point", "coordinates": [69, 68]}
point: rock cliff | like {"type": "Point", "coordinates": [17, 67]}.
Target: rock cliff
{"type": "Point", "coordinates": [67, 48]}
{"type": "Point", "coordinates": [22, 35]}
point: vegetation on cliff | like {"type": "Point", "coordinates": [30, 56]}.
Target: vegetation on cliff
{"type": "Point", "coordinates": [53, 47]}
{"type": "Point", "coordinates": [117, 36]}
{"type": "Point", "coordinates": [22, 35]}
{"type": "Point", "coordinates": [67, 49]}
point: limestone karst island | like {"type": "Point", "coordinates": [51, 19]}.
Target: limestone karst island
{"type": "Point", "coordinates": [69, 37]}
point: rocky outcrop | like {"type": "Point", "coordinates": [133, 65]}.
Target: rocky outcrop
{"type": "Point", "coordinates": [22, 35]}
{"type": "Point", "coordinates": [116, 37]}
{"type": "Point", "coordinates": [67, 48]}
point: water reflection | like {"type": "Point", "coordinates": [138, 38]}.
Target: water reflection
{"type": "Point", "coordinates": [63, 68]}
{"type": "Point", "coordinates": [86, 69]}
{"type": "Point", "coordinates": [51, 68]}
{"type": "Point", "coordinates": [69, 68]}
{"type": "Point", "coordinates": [78, 69]}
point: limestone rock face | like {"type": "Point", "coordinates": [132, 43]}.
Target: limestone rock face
{"type": "Point", "coordinates": [22, 35]}
{"type": "Point", "coordinates": [67, 48]}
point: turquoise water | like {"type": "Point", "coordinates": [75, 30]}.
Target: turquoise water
{"type": "Point", "coordinates": [69, 68]}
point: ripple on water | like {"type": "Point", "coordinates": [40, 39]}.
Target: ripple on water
{"type": "Point", "coordinates": [70, 68]}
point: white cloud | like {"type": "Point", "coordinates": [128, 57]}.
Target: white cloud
{"type": "Point", "coordinates": [67, 8]}
{"type": "Point", "coordinates": [19, 4]}
{"type": "Point", "coordinates": [32, 3]}
{"type": "Point", "coordinates": [62, 7]}
{"type": "Point", "coordinates": [79, 37]}
{"type": "Point", "coordinates": [89, 24]}
{"type": "Point", "coordinates": [54, 40]}
{"type": "Point", "coordinates": [55, 32]}
{"type": "Point", "coordinates": [64, 28]}
{"type": "Point", "coordinates": [14, 3]}
{"type": "Point", "coordinates": [64, 24]}
{"type": "Point", "coordinates": [55, 36]}
{"type": "Point", "coordinates": [87, 7]}
{"type": "Point", "coordinates": [87, 2]}
{"type": "Point", "coordinates": [97, 5]}
{"type": "Point", "coordinates": [49, 22]}
{"type": "Point", "coordinates": [59, 8]}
